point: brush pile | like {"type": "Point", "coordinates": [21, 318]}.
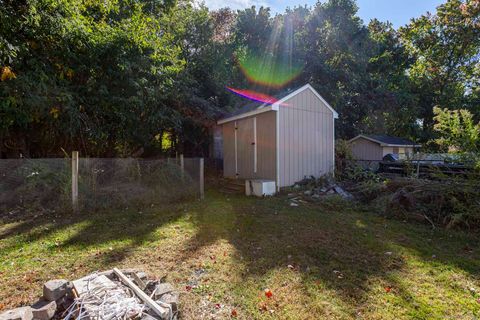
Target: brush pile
{"type": "Point", "coordinates": [452, 203]}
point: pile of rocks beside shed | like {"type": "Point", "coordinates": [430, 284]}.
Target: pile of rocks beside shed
{"type": "Point", "coordinates": [112, 294]}
{"type": "Point", "coordinates": [313, 189]}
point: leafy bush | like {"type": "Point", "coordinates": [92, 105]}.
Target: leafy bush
{"type": "Point", "coordinates": [35, 184]}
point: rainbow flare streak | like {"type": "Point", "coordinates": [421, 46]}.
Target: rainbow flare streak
{"type": "Point", "coordinates": [254, 96]}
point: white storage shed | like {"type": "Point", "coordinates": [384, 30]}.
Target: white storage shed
{"type": "Point", "coordinates": [285, 141]}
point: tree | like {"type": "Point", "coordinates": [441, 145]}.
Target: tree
{"type": "Point", "coordinates": [336, 44]}
{"type": "Point", "coordinates": [446, 52]}
{"type": "Point", "coordinates": [88, 75]}
{"type": "Point", "coordinates": [457, 129]}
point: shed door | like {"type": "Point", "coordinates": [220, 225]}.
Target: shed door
{"type": "Point", "coordinates": [245, 148]}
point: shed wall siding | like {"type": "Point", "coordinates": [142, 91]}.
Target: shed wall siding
{"type": "Point", "coordinates": [266, 146]}
{"type": "Point", "coordinates": [228, 132]}
{"type": "Point", "coordinates": [306, 144]}
{"type": "Point", "coordinates": [266, 142]}
{"type": "Point", "coordinates": [363, 149]}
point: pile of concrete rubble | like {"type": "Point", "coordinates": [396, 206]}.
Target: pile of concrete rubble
{"type": "Point", "coordinates": [112, 294]}
{"type": "Point", "coordinates": [311, 189]}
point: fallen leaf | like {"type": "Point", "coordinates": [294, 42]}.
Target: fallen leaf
{"type": "Point", "coordinates": [234, 313]}
{"type": "Point", "coordinates": [268, 293]}
{"type": "Point", "coordinates": [263, 307]}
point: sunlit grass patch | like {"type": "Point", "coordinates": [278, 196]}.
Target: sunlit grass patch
{"type": "Point", "coordinates": [332, 260]}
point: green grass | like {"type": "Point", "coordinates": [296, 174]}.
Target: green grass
{"type": "Point", "coordinates": [330, 260]}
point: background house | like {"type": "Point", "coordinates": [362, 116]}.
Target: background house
{"type": "Point", "coordinates": [284, 141]}
{"type": "Point", "coordinates": [375, 147]}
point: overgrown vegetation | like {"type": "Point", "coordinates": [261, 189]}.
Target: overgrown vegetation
{"type": "Point", "coordinates": [112, 78]}
{"type": "Point", "coordinates": [452, 203]}
{"type": "Point", "coordinates": [39, 185]}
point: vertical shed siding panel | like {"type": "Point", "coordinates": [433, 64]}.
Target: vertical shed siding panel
{"type": "Point", "coordinates": [266, 146]}
{"type": "Point", "coordinates": [228, 131]}
{"type": "Point", "coordinates": [245, 148]}
{"type": "Point", "coordinates": [306, 138]}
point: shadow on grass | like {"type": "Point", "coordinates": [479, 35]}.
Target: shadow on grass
{"type": "Point", "coordinates": [332, 243]}
{"type": "Point", "coordinates": [131, 227]}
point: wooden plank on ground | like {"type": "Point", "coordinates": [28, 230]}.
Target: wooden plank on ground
{"type": "Point", "coordinates": [163, 312]}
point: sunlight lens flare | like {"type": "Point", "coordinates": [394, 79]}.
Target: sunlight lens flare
{"type": "Point", "coordinates": [268, 71]}
{"type": "Point", "coordinates": [254, 96]}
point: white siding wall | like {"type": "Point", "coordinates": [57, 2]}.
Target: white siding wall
{"type": "Point", "coordinates": [306, 142]}
{"type": "Point", "coordinates": [387, 150]}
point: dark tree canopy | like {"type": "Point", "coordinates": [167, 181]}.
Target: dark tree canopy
{"type": "Point", "coordinates": [116, 78]}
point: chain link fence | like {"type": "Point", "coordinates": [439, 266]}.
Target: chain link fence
{"type": "Point", "coordinates": [102, 183]}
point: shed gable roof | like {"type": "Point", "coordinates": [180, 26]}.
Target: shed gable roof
{"type": "Point", "coordinates": [386, 141]}
{"type": "Point", "coordinates": [258, 107]}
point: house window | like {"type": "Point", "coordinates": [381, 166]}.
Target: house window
{"type": "Point", "coordinates": [395, 150]}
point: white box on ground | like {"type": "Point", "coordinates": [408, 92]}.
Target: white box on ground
{"type": "Point", "coordinates": [259, 187]}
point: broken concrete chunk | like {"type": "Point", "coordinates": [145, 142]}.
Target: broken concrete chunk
{"type": "Point", "coordinates": [342, 192]}
{"type": "Point", "coordinates": [23, 313]}
{"type": "Point", "coordinates": [56, 289]}
{"type": "Point", "coordinates": [161, 289]}
{"type": "Point", "coordinates": [92, 282]}
{"type": "Point", "coordinates": [170, 298]}
{"type": "Point", "coordinates": [142, 275]}
{"type": "Point", "coordinates": [44, 310]}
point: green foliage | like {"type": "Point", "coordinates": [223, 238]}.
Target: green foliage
{"type": "Point", "coordinates": [445, 52]}
{"type": "Point", "coordinates": [457, 129]}
{"type": "Point", "coordinates": [107, 78]}
{"type": "Point", "coordinates": [88, 75]}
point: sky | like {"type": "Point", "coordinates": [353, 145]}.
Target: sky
{"type": "Point", "coordinates": [399, 12]}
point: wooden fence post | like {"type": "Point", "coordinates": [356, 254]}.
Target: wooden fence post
{"type": "Point", "coordinates": [75, 180]}
{"type": "Point", "coordinates": [182, 166]}
{"type": "Point", "coordinates": [202, 183]}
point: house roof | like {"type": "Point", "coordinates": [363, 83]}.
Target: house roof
{"type": "Point", "coordinates": [259, 107]}
{"type": "Point", "coordinates": [386, 141]}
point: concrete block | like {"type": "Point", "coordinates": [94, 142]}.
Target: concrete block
{"type": "Point", "coordinates": [23, 313]}
{"type": "Point", "coordinates": [161, 289]}
{"type": "Point", "coordinates": [56, 289]}
{"type": "Point", "coordinates": [166, 293]}
{"type": "Point", "coordinates": [44, 310]}
{"type": "Point", "coordinates": [170, 298]}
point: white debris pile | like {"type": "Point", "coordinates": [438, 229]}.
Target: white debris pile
{"type": "Point", "coordinates": [314, 189]}
{"type": "Point", "coordinates": [109, 295]}
{"type": "Point", "coordinates": [101, 298]}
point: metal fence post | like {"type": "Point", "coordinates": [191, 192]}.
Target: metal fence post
{"type": "Point", "coordinates": [202, 183]}
{"type": "Point", "coordinates": [75, 180]}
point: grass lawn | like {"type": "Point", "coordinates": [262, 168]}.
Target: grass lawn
{"type": "Point", "coordinates": [332, 260]}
